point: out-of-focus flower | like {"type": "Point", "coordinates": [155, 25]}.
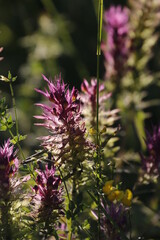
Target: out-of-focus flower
{"type": "Point", "coordinates": [8, 167]}
{"type": "Point", "coordinates": [62, 117]}
{"type": "Point", "coordinates": [1, 49]}
{"type": "Point", "coordinates": [107, 117]}
{"type": "Point", "coordinates": [151, 163]}
{"type": "Point", "coordinates": [127, 198]}
{"type": "Point", "coordinates": [116, 221]}
{"type": "Point", "coordinates": [62, 231]}
{"type": "Point", "coordinates": [47, 199]}
{"type": "Point", "coordinates": [108, 187]}
{"type": "Point", "coordinates": [9, 189]}
{"type": "Point", "coordinates": [116, 195]}
{"type": "Point", "coordinates": [116, 49]}
{"type": "Point", "coordinates": [89, 102]}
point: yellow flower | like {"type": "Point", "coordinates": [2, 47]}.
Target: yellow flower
{"type": "Point", "coordinates": [115, 195]}
{"type": "Point", "coordinates": [108, 187]}
{"type": "Point", "coordinates": [127, 198]}
{"type": "Point", "coordinates": [92, 131]}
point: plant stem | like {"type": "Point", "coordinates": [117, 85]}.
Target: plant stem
{"type": "Point", "coordinates": [65, 185]}
{"type": "Point", "coordinates": [20, 149]}
{"type": "Point", "coordinates": [69, 225]}
{"type": "Point", "coordinates": [14, 106]}
{"type": "Point", "coordinates": [16, 119]}
{"type": "Point", "coordinates": [98, 163]}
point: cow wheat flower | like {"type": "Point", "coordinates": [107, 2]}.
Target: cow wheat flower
{"type": "Point", "coordinates": [47, 202]}
{"type": "Point", "coordinates": [62, 117]}
{"type": "Point", "coordinates": [151, 163]}
{"type": "Point", "coordinates": [88, 99]}
{"type": "Point", "coordinates": [47, 198]}
{"type": "Point", "coordinates": [116, 49]}
{"type": "Point", "coordinates": [115, 222]}
{"type": "Point", "coordinates": [8, 167]}
{"type": "Point", "coordinates": [9, 188]}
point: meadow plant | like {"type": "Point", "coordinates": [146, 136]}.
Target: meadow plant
{"type": "Point", "coordinates": [116, 49]}
{"type": "Point", "coordinates": [114, 221]}
{"type": "Point", "coordinates": [66, 142]}
{"type": "Point", "coordinates": [9, 190]}
{"type": "Point", "coordinates": [81, 182]}
{"type": "Point", "coordinates": [63, 120]}
{"type": "Point", "coordinates": [47, 200]}
{"type": "Point", "coordinates": [89, 104]}
{"type": "Point", "coordinates": [151, 163]}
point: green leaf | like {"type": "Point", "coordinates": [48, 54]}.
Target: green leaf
{"type": "Point", "coordinates": [14, 79]}
{"type": "Point", "coordinates": [9, 75]}
{"type": "Point", "coordinates": [10, 122]}
{"type": "Point", "coordinates": [3, 107]}
{"type": "Point", "coordinates": [3, 128]}
{"type": "Point", "coordinates": [16, 139]}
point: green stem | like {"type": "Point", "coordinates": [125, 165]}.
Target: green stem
{"type": "Point", "coordinates": [69, 225]}
{"type": "Point", "coordinates": [20, 149]}
{"type": "Point", "coordinates": [16, 119]}
{"type": "Point", "coordinates": [98, 163]}
{"type": "Point", "coordinates": [65, 185]}
{"type": "Point", "coordinates": [14, 106]}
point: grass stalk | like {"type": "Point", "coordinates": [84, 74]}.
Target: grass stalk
{"type": "Point", "coordinates": [98, 162]}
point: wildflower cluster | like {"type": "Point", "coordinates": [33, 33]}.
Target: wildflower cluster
{"type": "Point", "coordinates": [115, 195]}
{"type": "Point", "coordinates": [86, 142]}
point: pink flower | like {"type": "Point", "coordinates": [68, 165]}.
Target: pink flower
{"type": "Point", "coordinates": [89, 104]}
{"type": "Point", "coordinates": [47, 199]}
{"type": "Point", "coordinates": [151, 163]}
{"type": "Point", "coordinates": [62, 117]}
{"type": "Point", "coordinates": [116, 49]}
{"type": "Point", "coordinates": [8, 167]}
{"type": "Point", "coordinates": [117, 213]}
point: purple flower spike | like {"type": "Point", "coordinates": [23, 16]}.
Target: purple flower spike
{"type": "Point", "coordinates": [151, 163]}
{"type": "Point", "coordinates": [117, 46]}
{"type": "Point", "coordinates": [89, 98]}
{"type": "Point", "coordinates": [8, 167]}
{"type": "Point", "coordinates": [47, 198]}
{"type": "Point", "coordinates": [62, 117]}
{"type": "Point", "coordinates": [118, 215]}
{"type": "Point", "coordinates": [89, 105]}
